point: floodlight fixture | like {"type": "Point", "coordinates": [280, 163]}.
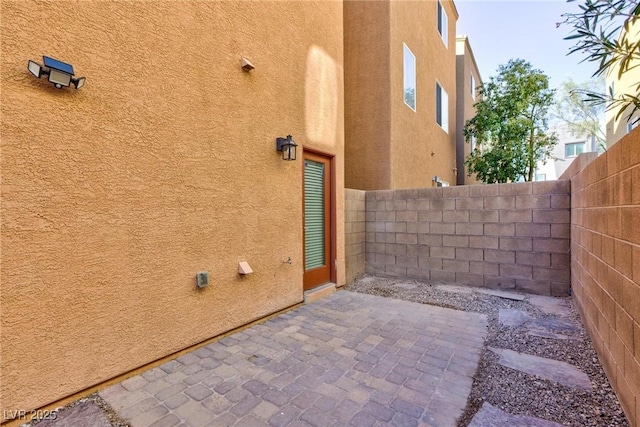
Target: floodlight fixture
{"type": "Point", "coordinates": [60, 73]}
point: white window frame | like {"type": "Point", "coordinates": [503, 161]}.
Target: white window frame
{"type": "Point", "coordinates": [442, 107]}
{"type": "Point", "coordinates": [443, 24]}
{"type": "Point", "coordinates": [473, 87]}
{"type": "Point", "coordinates": [406, 51]}
{"type": "Point", "coordinates": [633, 123]}
{"type": "Point", "coordinates": [574, 144]}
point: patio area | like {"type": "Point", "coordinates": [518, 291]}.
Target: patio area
{"type": "Point", "coordinates": [348, 359]}
{"type": "Point", "coordinates": [387, 353]}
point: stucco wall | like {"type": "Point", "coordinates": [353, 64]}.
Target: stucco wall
{"type": "Point", "coordinates": [164, 164]}
{"type": "Point", "coordinates": [616, 126]}
{"type": "Point", "coordinates": [420, 148]}
{"type": "Point", "coordinates": [465, 110]}
{"type": "Point", "coordinates": [388, 144]}
{"type": "Point", "coordinates": [505, 236]}
{"type": "Point", "coordinates": [367, 94]}
{"type": "Point", "coordinates": [354, 233]}
{"type": "Point", "coordinates": [605, 262]}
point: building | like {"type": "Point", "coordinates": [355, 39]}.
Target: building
{"type": "Point", "coordinates": [163, 165]}
{"type": "Point", "coordinates": [569, 147]}
{"type": "Point", "coordinates": [468, 81]}
{"type": "Point", "coordinates": [150, 210]}
{"type": "Point", "coordinates": [400, 92]}
{"type": "Point", "coordinates": [618, 125]}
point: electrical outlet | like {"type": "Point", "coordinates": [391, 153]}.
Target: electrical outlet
{"type": "Point", "coordinates": [202, 279]}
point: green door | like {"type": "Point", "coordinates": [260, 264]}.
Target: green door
{"type": "Point", "coordinates": [317, 214]}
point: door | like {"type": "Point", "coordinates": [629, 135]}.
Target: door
{"type": "Point", "coordinates": [317, 220]}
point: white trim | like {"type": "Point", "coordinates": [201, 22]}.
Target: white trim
{"type": "Point", "coordinates": [444, 107]}
{"type": "Point", "coordinates": [473, 87]}
{"type": "Point", "coordinates": [442, 23]}
{"type": "Point", "coordinates": [406, 50]}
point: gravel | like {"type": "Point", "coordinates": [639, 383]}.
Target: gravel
{"type": "Point", "coordinates": [513, 391]}
{"type": "Point", "coordinates": [112, 416]}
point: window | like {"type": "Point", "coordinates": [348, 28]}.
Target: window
{"type": "Point", "coordinates": [541, 177]}
{"type": "Point", "coordinates": [442, 108]}
{"type": "Point", "coordinates": [443, 28]}
{"type": "Point", "coordinates": [573, 149]}
{"type": "Point", "coordinates": [473, 142]}
{"type": "Point", "coordinates": [409, 78]}
{"type": "Point", "coordinates": [632, 124]}
{"type": "Point", "coordinates": [473, 87]}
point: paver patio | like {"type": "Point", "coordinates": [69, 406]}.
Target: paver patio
{"type": "Point", "coordinates": [348, 359]}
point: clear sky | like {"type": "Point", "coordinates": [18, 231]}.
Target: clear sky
{"type": "Point", "coordinates": [501, 30]}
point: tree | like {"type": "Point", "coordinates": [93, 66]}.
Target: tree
{"type": "Point", "coordinates": [510, 124]}
{"type": "Point", "coordinates": [602, 30]}
{"type": "Point", "coordinates": [573, 109]}
{"type": "Point", "coordinates": [410, 96]}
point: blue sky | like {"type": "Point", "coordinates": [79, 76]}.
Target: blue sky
{"type": "Point", "coordinates": [501, 30]}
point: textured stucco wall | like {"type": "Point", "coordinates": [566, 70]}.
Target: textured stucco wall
{"type": "Point", "coordinates": [164, 164]}
{"type": "Point", "coordinates": [355, 223]}
{"type": "Point", "coordinates": [420, 148]}
{"type": "Point", "coordinates": [465, 67]}
{"type": "Point", "coordinates": [388, 144]}
{"type": "Point", "coordinates": [367, 94]}
{"type": "Point", "coordinates": [616, 126]}
{"type": "Point", "coordinates": [605, 262]}
{"type": "Point", "coordinates": [505, 236]}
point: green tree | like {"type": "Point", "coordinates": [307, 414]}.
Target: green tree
{"type": "Point", "coordinates": [573, 109]}
{"type": "Point", "coordinates": [601, 30]}
{"type": "Point", "coordinates": [511, 124]}
{"type": "Point", "coordinates": [410, 96]}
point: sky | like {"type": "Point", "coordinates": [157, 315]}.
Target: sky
{"type": "Point", "coordinates": [501, 30]}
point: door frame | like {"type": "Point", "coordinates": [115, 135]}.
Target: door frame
{"type": "Point", "coordinates": [332, 212]}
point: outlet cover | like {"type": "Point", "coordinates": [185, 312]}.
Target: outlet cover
{"type": "Point", "coordinates": [202, 279]}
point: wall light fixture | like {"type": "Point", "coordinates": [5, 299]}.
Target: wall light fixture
{"type": "Point", "coordinates": [287, 146]}
{"type": "Point", "coordinates": [60, 73]}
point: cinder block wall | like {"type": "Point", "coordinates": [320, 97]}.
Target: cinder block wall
{"type": "Point", "coordinates": [507, 236]}
{"type": "Point", "coordinates": [605, 262]}
{"type": "Point", "coordinates": [354, 233]}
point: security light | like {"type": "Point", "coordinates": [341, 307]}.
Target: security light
{"type": "Point", "coordinates": [60, 73]}
{"type": "Point", "coordinates": [35, 68]}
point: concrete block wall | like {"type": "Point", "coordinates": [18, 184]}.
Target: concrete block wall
{"type": "Point", "coordinates": [354, 233]}
{"type": "Point", "coordinates": [505, 236]}
{"type": "Point", "coordinates": [605, 262]}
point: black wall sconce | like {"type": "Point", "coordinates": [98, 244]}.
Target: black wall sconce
{"type": "Point", "coordinates": [287, 146]}
{"type": "Point", "coordinates": [60, 73]}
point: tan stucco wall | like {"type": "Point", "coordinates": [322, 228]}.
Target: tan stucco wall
{"type": "Point", "coordinates": [415, 135]}
{"type": "Point", "coordinates": [367, 94]}
{"type": "Point", "coordinates": [164, 164]}
{"type": "Point", "coordinates": [388, 144]}
{"type": "Point", "coordinates": [465, 67]}
{"type": "Point", "coordinates": [616, 126]}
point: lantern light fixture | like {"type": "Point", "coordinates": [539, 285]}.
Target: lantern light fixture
{"type": "Point", "coordinates": [60, 73]}
{"type": "Point", "coordinates": [287, 146]}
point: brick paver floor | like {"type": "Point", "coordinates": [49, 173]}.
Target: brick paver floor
{"type": "Point", "coordinates": [348, 359]}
